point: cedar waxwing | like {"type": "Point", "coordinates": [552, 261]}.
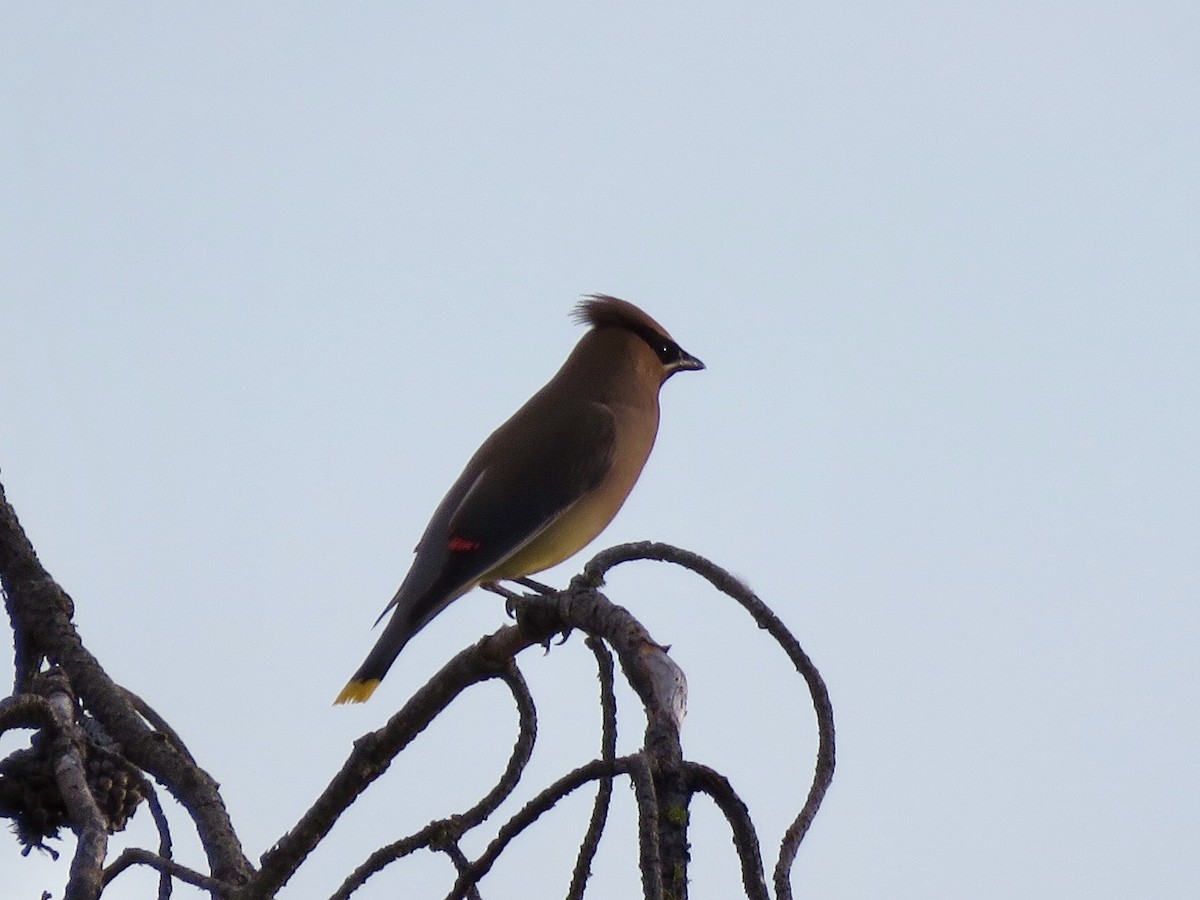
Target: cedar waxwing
{"type": "Point", "coordinates": [546, 482]}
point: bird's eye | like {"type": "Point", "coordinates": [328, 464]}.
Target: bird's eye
{"type": "Point", "coordinates": [664, 348]}
{"type": "Point", "coordinates": [668, 351]}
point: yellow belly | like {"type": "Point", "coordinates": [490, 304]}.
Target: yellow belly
{"type": "Point", "coordinates": [570, 533]}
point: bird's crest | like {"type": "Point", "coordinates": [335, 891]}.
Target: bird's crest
{"type": "Point", "coordinates": [601, 309]}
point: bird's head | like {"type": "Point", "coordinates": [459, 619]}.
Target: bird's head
{"type": "Point", "coordinates": [601, 310]}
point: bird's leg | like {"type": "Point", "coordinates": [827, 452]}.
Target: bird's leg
{"type": "Point", "coordinates": [542, 589]}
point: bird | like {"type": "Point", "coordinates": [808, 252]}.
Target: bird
{"type": "Point", "coordinates": [546, 482]}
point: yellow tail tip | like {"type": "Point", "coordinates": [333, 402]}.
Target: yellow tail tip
{"type": "Point", "coordinates": [357, 691]}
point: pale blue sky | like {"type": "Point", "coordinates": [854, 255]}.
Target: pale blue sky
{"type": "Point", "coordinates": [270, 275]}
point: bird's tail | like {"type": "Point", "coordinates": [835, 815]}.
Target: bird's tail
{"type": "Point", "coordinates": [357, 691]}
{"type": "Point", "coordinates": [395, 635]}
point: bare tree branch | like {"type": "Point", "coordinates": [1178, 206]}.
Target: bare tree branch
{"type": "Point", "coordinates": [462, 864]}
{"type": "Point", "coordinates": [24, 711]}
{"type": "Point", "coordinates": [649, 853]}
{"type": "Point", "coordinates": [88, 822]}
{"type": "Point", "coordinates": [593, 574]}
{"type": "Point", "coordinates": [531, 811]}
{"type": "Point", "coordinates": [448, 831]}
{"type": "Point", "coordinates": [132, 856]}
{"type": "Point", "coordinates": [373, 753]}
{"type": "Point", "coordinates": [608, 752]}
{"type": "Point", "coordinates": [95, 737]}
{"type": "Point", "coordinates": [157, 722]}
{"type": "Point", "coordinates": [745, 839]}
{"type": "Point", "coordinates": [41, 614]}
{"type": "Point", "coordinates": [164, 841]}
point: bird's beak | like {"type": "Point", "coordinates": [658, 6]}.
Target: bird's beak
{"type": "Point", "coordinates": [686, 362]}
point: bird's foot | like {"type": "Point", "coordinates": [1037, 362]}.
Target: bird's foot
{"type": "Point", "coordinates": [510, 597]}
{"type": "Point", "coordinates": [535, 613]}
{"type": "Point", "coordinates": [562, 639]}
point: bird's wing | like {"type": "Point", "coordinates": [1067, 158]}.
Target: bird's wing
{"type": "Point", "coordinates": [520, 494]}
{"type": "Point", "coordinates": [505, 499]}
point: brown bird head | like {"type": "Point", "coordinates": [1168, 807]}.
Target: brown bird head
{"type": "Point", "coordinates": [603, 311]}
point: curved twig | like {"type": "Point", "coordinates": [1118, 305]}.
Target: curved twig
{"type": "Point", "coordinates": [373, 753]}
{"type": "Point", "coordinates": [24, 711]}
{"type": "Point", "coordinates": [649, 851]}
{"type": "Point", "coordinates": [420, 840]}
{"type": "Point", "coordinates": [532, 811]}
{"type": "Point", "coordinates": [137, 856]}
{"type": "Point", "coordinates": [608, 752]}
{"type": "Point", "coordinates": [745, 840]}
{"type": "Point", "coordinates": [88, 822]}
{"type": "Point", "coordinates": [725, 582]}
{"type": "Point", "coordinates": [165, 848]}
{"type": "Point", "coordinates": [461, 863]}
{"type": "Point", "coordinates": [521, 752]}
{"type": "Point", "coordinates": [447, 831]}
{"type": "Point", "coordinates": [157, 722]}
